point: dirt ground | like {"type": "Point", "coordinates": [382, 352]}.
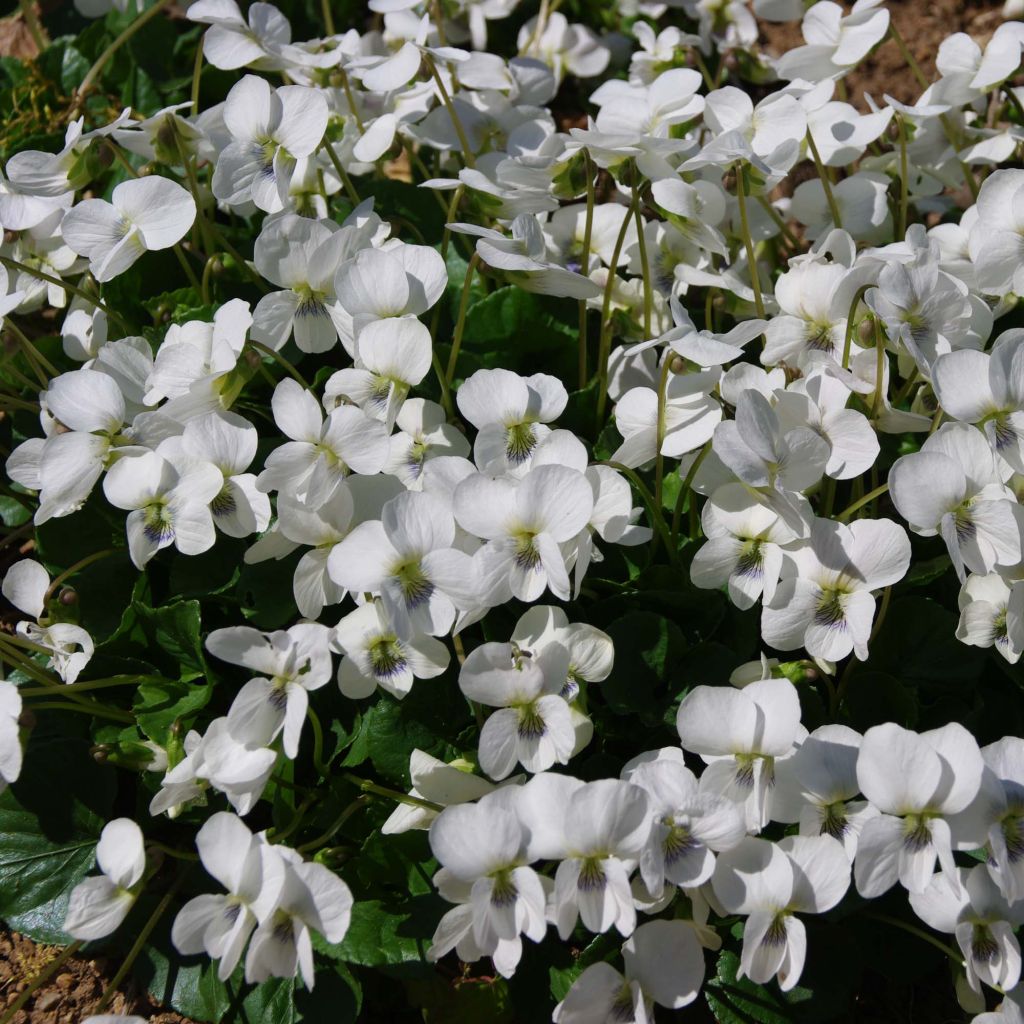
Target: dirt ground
{"type": "Point", "coordinates": [74, 991]}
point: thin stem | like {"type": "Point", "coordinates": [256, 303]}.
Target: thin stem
{"type": "Point", "coordinates": [318, 742]}
{"type": "Point", "coordinates": [848, 337]}
{"type": "Point", "coordinates": [677, 512]}
{"type": "Point", "coordinates": [97, 712]}
{"type": "Point", "coordinates": [172, 852]}
{"type": "Point", "coordinates": [882, 612]}
{"type": "Point", "coordinates": [588, 228]}
{"type": "Point", "coordinates": [659, 436]}
{"type": "Point", "coordinates": [325, 10]}
{"type": "Point", "coordinates": [826, 182]}
{"type": "Point", "coordinates": [297, 819]}
{"type": "Point", "coordinates": [39, 980]}
{"type": "Point", "coordinates": [779, 223]}
{"type": "Point", "coordinates": [460, 324]}
{"type": "Point", "coordinates": [101, 61]}
{"type": "Point", "coordinates": [278, 358]}
{"type": "Point", "coordinates": [138, 945]}
{"type": "Point", "coordinates": [861, 502]}
{"type": "Point", "coordinates": [15, 265]}
{"type": "Point", "coordinates": [77, 567]}
{"type": "Point", "coordinates": [644, 264]}
{"type": "Point", "coordinates": [346, 85]}
{"type": "Point", "coordinates": [876, 402]}
{"type": "Point", "coordinates": [350, 189]}
{"type": "Point", "coordinates": [748, 242]}
{"type": "Point", "coordinates": [660, 526]}
{"type": "Point", "coordinates": [392, 794]}
{"type": "Point", "coordinates": [920, 933]}
{"type": "Point", "coordinates": [31, 352]}
{"type": "Point", "coordinates": [36, 31]}
{"type": "Point", "coordinates": [907, 385]}
{"type": "Point", "coordinates": [197, 72]}
{"type": "Point", "coordinates": [901, 224]}
{"type": "Point", "coordinates": [467, 152]}
{"type": "Point", "coordinates": [453, 209]}
{"type": "Point", "coordinates": [325, 837]}
{"type": "Point", "coordinates": [605, 343]}
{"type": "Point", "coordinates": [83, 685]}
{"type": "Point", "coordinates": [446, 393]}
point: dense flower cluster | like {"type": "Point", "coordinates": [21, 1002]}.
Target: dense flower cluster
{"type": "Point", "coordinates": [815, 369]}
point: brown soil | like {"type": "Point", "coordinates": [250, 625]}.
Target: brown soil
{"type": "Point", "coordinates": [73, 993]}
{"type": "Point", "coordinates": [923, 24]}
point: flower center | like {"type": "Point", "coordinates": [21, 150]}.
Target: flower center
{"type": "Point", "coordinates": [520, 442]}
{"type": "Point", "coordinates": [224, 503]}
{"type": "Point", "coordinates": [591, 874]}
{"type": "Point", "coordinates": [834, 822]}
{"type": "Point", "coordinates": [526, 556]}
{"type": "Point", "coordinates": [530, 725]}
{"type": "Point", "coordinates": [158, 525]}
{"type": "Point", "coordinates": [414, 583]}
{"type": "Point", "coordinates": [387, 656]}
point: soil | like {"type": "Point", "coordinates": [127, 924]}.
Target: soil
{"type": "Point", "coordinates": [73, 992]}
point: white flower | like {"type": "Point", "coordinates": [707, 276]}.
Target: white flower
{"type": "Point", "coordinates": [482, 852]}
{"type": "Point", "coordinates": [836, 41]}
{"type": "Point", "coordinates": [423, 434]}
{"type": "Point", "coordinates": [825, 601]}
{"type": "Point", "coordinates": [289, 664]}
{"type": "Point", "coordinates": [270, 128]}
{"type": "Point", "coordinates": [166, 504]}
{"type": "Point", "coordinates": [534, 726]}
{"type": "Point", "coordinates": [772, 883]}
{"type": "Point", "coordinates": [143, 214]}
{"type": "Point", "coordinates": [524, 522]}
{"type": "Point", "coordinates": [232, 42]}
{"type": "Point", "coordinates": [996, 245]}
{"type": "Point", "coordinates": [99, 904]}
{"type": "Point", "coordinates": [992, 614]}
{"type": "Point", "coordinates": [740, 734]}
{"type": "Point", "coordinates": [688, 828]}
{"type": "Point", "coordinates": [253, 873]}
{"type": "Point", "coordinates": [663, 964]}
{"type": "Point", "coordinates": [816, 787]}
{"type": "Point", "coordinates": [375, 655]}
{"type": "Point", "coordinates": [916, 781]}
{"type": "Point", "coordinates": [954, 487]}
{"type": "Point", "coordinates": [25, 585]}
{"type": "Point", "coordinates": [10, 740]}
{"type": "Point", "coordinates": [972, 908]}
{"type": "Point", "coordinates": [311, 897]}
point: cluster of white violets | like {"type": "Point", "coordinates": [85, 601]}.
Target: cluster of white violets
{"type": "Point", "coordinates": [411, 531]}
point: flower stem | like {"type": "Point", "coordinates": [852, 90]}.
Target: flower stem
{"type": "Point", "coordinates": [15, 265]}
{"type": "Point", "coordinates": [901, 226]}
{"type": "Point", "coordinates": [659, 459]}
{"type": "Point", "coordinates": [139, 944]}
{"type": "Point", "coordinates": [644, 264]}
{"type": "Point", "coordinates": [748, 242]}
{"type": "Point", "coordinates": [278, 358]}
{"type": "Point", "coordinates": [677, 512]}
{"type": "Point", "coordinates": [36, 31]}
{"type": "Point", "coordinates": [318, 743]}
{"type": "Point", "coordinates": [848, 337]}
{"type": "Point", "coordinates": [861, 502]}
{"type": "Point", "coordinates": [325, 837]}
{"type": "Point", "coordinates": [588, 228]}
{"type": "Point", "coordinates": [660, 526]}
{"type": "Point", "coordinates": [467, 152]}
{"type": "Point", "coordinates": [350, 189]}
{"type": "Point", "coordinates": [605, 343]}
{"type": "Point", "coordinates": [826, 182]}
{"type": "Point", "coordinates": [392, 794]}
{"type": "Point", "coordinates": [85, 685]}
{"type": "Point", "coordinates": [914, 930]}
{"type": "Point", "coordinates": [460, 324]}
{"type": "Point", "coordinates": [77, 567]}
{"type": "Point", "coordinates": [102, 60]}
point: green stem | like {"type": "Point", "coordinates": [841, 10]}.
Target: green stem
{"type": "Point", "coordinates": [84, 685]}
{"type": "Point", "coordinates": [138, 945]}
{"type": "Point", "coordinates": [325, 837]}
{"type": "Point", "coordinates": [392, 794]}
{"type": "Point", "coordinates": [677, 512]}
{"type": "Point", "coordinates": [848, 337]}
{"type": "Point", "coordinates": [644, 264]}
{"type": "Point", "coordinates": [172, 852]}
{"type": "Point", "coordinates": [793, 241]}
{"type": "Point", "coordinates": [325, 10]}
{"type": "Point", "coordinates": [96, 712]}
{"type": "Point", "coordinates": [101, 61]}
{"type": "Point", "coordinates": [659, 430]}
{"type": "Point", "coordinates": [353, 107]}
{"type": "Point", "coordinates": [77, 567]}
{"type": "Point", "coordinates": [876, 402]}
{"type": "Point", "coordinates": [605, 343]}
{"type": "Point", "coordinates": [318, 743]}
{"type": "Point", "coordinates": [460, 324]}
{"type": "Point", "coordinates": [15, 265]}
{"type": "Point", "coordinates": [660, 526]}
{"type": "Point", "coordinates": [36, 31]}
{"type": "Point", "coordinates": [861, 502]}
{"type": "Point", "coordinates": [907, 385]}
{"type": "Point", "coordinates": [297, 818]}
{"type": "Point", "coordinates": [197, 72]}
{"type": "Point", "coordinates": [350, 189]}
{"type": "Point", "coordinates": [901, 226]}
{"type": "Point", "coordinates": [588, 227]}
{"type": "Point", "coordinates": [914, 930]}
{"type": "Point", "coordinates": [467, 152]}
{"type": "Point", "coordinates": [278, 358]}
{"type": "Point", "coordinates": [826, 182]}
{"type": "Point", "coordinates": [748, 242]}
{"type": "Point", "coordinates": [31, 352]}
{"type": "Point", "coordinates": [39, 980]}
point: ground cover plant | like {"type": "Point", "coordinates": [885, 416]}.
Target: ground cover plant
{"type": "Point", "coordinates": [513, 512]}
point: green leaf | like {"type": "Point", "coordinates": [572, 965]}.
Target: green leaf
{"type": "Point", "coordinates": [50, 822]}
{"type": "Point", "coordinates": [175, 630]}
{"type": "Point", "coordinates": [159, 703]}
{"type": "Point", "coordinates": [379, 935]}
{"type": "Point", "coordinates": [739, 1001]}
